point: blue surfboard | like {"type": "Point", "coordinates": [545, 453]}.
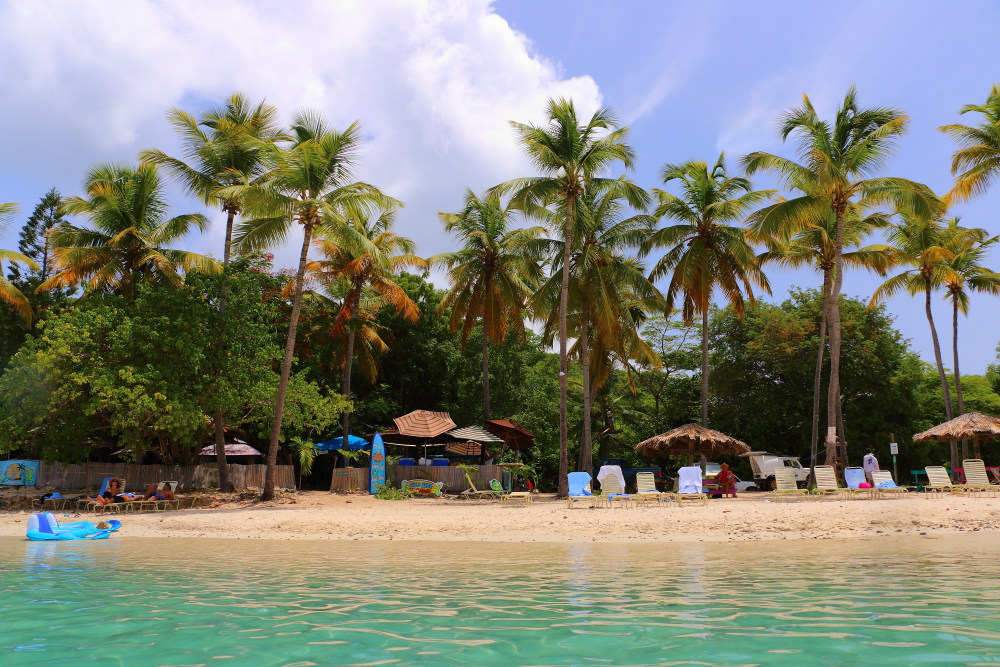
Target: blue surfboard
{"type": "Point", "coordinates": [377, 465]}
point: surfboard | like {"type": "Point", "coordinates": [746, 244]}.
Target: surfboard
{"type": "Point", "coordinates": [377, 465]}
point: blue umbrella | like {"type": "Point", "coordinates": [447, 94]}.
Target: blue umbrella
{"type": "Point", "coordinates": [353, 443]}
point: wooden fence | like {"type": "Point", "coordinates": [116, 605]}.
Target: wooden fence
{"type": "Point", "coordinates": [347, 479]}
{"type": "Point", "coordinates": [138, 477]}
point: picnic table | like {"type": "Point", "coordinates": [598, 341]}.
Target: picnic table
{"type": "Point", "coordinates": [919, 483]}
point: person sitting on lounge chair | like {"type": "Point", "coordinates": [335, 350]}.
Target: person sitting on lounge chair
{"type": "Point", "coordinates": [162, 494]}
{"type": "Point", "coordinates": [726, 480]}
{"type": "Point", "coordinates": [112, 494]}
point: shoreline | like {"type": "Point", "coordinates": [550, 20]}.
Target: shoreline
{"type": "Point", "coordinates": [320, 515]}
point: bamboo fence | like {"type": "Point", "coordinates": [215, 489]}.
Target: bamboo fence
{"type": "Point", "coordinates": [356, 479]}
{"type": "Point", "coordinates": [138, 477]}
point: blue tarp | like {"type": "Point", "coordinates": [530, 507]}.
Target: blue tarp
{"type": "Point", "coordinates": [353, 443]}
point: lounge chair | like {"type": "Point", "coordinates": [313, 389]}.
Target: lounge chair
{"type": "Point", "coordinates": [507, 496]}
{"type": "Point", "coordinates": [611, 490]}
{"type": "Point", "coordinates": [785, 484]}
{"type": "Point", "coordinates": [156, 504]}
{"type": "Point", "coordinates": [880, 476]}
{"type": "Point", "coordinates": [854, 477]}
{"type": "Point", "coordinates": [646, 485]}
{"type": "Point", "coordinates": [89, 505]}
{"type": "Point", "coordinates": [976, 478]}
{"type": "Point", "coordinates": [938, 481]}
{"type": "Point", "coordinates": [579, 489]}
{"type": "Point", "coordinates": [689, 486]}
{"type": "Point", "coordinates": [473, 492]}
{"type": "Point", "coordinates": [826, 481]}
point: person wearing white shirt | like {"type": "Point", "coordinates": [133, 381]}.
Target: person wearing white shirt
{"type": "Point", "coordinates": [869, 463]}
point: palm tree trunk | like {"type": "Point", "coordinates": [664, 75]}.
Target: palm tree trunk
{"type": "Point", "coordinates": [225, 484]}
{"type": "Point", "coordinates": [486, 359]}
{"type": "Point", "coordinates": [586, 460]}
{"type": "Point", "coordinates": [958, 376]}
{"type": "Point", "coordinates": [833, 393]}
{"type": "Point", "coordinates": [564, 354]}
{"type": "Point", "coordinates": [818, 378]}
{"type": "Point", "coordinates": [945, 391]}
{"type": "Point", "coordinates": [842, 433]}
{"type": "Point", "coordinates": [704, 367]}
{"type": "Point", "coordinates": [286, 367]}
{"type": "Point", "coordinates": [349, 362]}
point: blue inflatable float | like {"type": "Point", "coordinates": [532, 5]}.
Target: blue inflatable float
{"type": "Point", "coordinates": [45, 527]}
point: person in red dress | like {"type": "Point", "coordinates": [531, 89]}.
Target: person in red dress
{"type": "Point", "coordinates": [726, 480]}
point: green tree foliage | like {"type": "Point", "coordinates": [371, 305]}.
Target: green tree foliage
{"type": "Point", "coordinates": [976, 164]}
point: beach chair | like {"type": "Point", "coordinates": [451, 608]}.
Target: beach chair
{"type": "Point", "coordinates": [976, 478]}
{"type": "Point", "coordinates": [647, 493]}
{"type": "Point", "coordinates": [854, 477]}
{"type": "Point", "coordinates": [611, 491]}
{"type": "Point", "coordinates": [473, 492]}
{"type": "Point", "coordinates": [507, 496]}
{"type": "Point", "coordinates": [93, 505]}
{"type": "Point", "coordinates": [156, 504]}
{"type": "Point", "coordinates": [785, 484]}
{"type": "Point", "coordinates": [938, 481]}
{"type": "Point", "coordinates": [881, 476]}
{"type": "Point", "coordinates": [826, 481]}
{"type": "Point", "coordinates": [579, 489]}
{"type": "Point", "coordinates": [689, 486]}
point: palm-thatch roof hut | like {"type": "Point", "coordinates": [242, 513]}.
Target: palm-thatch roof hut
{"type": "Point", "coordinates": [974, 425]}
{"type": "Point", "coordinates": [691, 439]}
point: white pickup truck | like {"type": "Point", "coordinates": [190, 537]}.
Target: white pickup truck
{"type": "Point", "coordinates": [764, 464]}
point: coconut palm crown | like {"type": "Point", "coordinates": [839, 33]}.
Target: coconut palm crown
{"type": "Point", "coordinates": [976, 165]}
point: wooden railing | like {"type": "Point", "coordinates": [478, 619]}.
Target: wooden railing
{"type": "Point", "coordinates": [138, 477]}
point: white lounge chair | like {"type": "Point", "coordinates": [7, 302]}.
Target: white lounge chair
{"type": "Point", "coordinates": [646, 490]}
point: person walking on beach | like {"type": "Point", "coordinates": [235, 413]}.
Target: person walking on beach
{"type": "Point", "coordinates": [870, 464]}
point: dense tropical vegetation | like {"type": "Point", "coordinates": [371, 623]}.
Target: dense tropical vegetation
{"type": "Point", "coordinates": [116, 343]}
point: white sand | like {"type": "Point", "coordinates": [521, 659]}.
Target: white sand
{"type": "Point", "coordinates": [320, 515]}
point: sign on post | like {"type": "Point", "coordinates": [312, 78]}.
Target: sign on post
{"type": "Point", "coordinates": [377, 465]}
{"type": "Point", "coordinates": [893, 448]}
{"type": "Point", "coordinates": [18, 473]}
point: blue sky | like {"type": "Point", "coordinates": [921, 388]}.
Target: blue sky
{"type": "Point", "coordinates": [434, 83]}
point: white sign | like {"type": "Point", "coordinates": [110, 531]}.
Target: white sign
{"type": "Point", "coordinates": [893, 448]}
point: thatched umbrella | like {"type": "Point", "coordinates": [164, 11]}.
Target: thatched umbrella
{"type": "Point", "coordinates": [691, 439]}
{"type": "Point", "coordinates": [973, 425]}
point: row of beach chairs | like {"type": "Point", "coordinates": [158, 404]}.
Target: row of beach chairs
{"type": "Point", "coordinates": [977, 482]}
{"type": "Point", "coordinates": [132, 506]}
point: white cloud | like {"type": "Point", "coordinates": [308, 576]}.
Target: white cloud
{"type": "Point", "coordinates": [434, 83]}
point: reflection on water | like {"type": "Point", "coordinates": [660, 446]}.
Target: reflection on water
{"type": "Point", "coordinates": [197, 602]}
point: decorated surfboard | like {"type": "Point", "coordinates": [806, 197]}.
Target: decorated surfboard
{"type": "Point", "coordinates": [377, 465]}
{"type": "Point", "coordinates": [18, 473]}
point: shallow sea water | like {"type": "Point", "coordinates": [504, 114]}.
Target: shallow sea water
{"type": "Point", "coordinates": [159, 602]}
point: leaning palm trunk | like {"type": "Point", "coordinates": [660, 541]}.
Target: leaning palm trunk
{"type": "Point", "coordinates": [586, 459]}
{"type": "Point", "coordinates": [818, 378]}
{"type": "Point", "coordinates": [833, 394]}
{"type": "Point", "coordinates": [349, 363]}
{"type": "Point", "coordinates": [486, 361]}
{"type": "Point", "coordinates": [225, 484]}
{"type": "Point", "coordinates": [958, 376]}
{"type": "Point", "coordinates": [945, 391]}
{"type": "Point", "coordinates": [563, 354]}
{"type": "Point", "coordinates": [704, 368]}
{"type": "Point", "coordinates": [286, 366]}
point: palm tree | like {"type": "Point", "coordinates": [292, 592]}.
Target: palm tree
{"type": "Point", "coordinates": [838, 161]}
{"type": "Point", "coordinates": [921, 244]}
{"type": "Point", "coordinates": [814, 246]}
{"type": "Point", "coordinates": [568, 155]}
{"type": "Point", "coordinates": [363, 255]}
{"type": "Point", "coordinates": [491, 276]}
{"type": "Point", "coordinates": [221, 149]}
{"type": "Point", "coordinates": [8, 293]}
{"type": "Point", "coordinates": [967, 274]}
{"type": "Point", "coordinates": [129, 229]}
{"type": "Point", "coordinates": [609, 294]}
{"type": "Point", "coordinates": [977, 163]}
{"type": "Point", "coordinates": [705, 251]}
{"type": "Point", "coordinates": [309, 180]}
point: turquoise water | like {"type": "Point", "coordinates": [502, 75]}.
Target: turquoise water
{"type": "Point", "coordinates": [158, 602]}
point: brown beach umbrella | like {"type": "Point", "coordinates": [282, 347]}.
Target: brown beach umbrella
{"type": "Point", "coordinates": [973, 425]}
{"type": "Point", "coordinates": [424, 424]}
{"type": "Point", "coordinates": [465, 448]}
{"type": "Point", "coordinates": [691, 439]}
{"type": "Point", "coordinates": [513, 434]}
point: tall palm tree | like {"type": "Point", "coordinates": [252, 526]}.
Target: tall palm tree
{"type": "Point", "coordinates": [567, 154]}
{"type": "Point", "coordinates": [609, 293]}
{"type": "Point", "coordinates": [363, 254]}
{"type": "Point", "coordinates": [309, 180]}
{"type": "Point", "coordinates": [705, 250]}
{"type": "Point", "coordinates": [129, 229]}
{"type": "Point", "coordinates": [977, 163]}
{"type": "Point", "coordinates": [967, 275]}
{"type": "Point", "coordinates": [838, 161]}
{"type": "Point", "coordinates": [921, 244]}
{"type": "Point", "coordinates": [8, 293]}
{"type": "Point", "coordinates": [491, 276]}
{"type": "Point", "coordinates": [814, 246]}
{"type": "Point", "coordinates": [221, 149]}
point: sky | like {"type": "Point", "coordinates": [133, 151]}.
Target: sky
{"type": "Point", "coordinates": [435, 83]}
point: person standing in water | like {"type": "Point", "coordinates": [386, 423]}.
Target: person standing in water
{"type": "Point", "coordinates": [870, 464]}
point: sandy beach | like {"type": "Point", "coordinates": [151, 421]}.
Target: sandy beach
{"type": "Point", "coordinates": [326, 516]}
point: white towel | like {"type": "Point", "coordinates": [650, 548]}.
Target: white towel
{"type": "Point", "coordinates": [689, 479]}
{"type": "Point", "coordinates": [611, 470]}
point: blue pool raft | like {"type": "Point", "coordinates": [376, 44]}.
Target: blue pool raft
{"type": "Point", "coordinates": [45, 527]}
